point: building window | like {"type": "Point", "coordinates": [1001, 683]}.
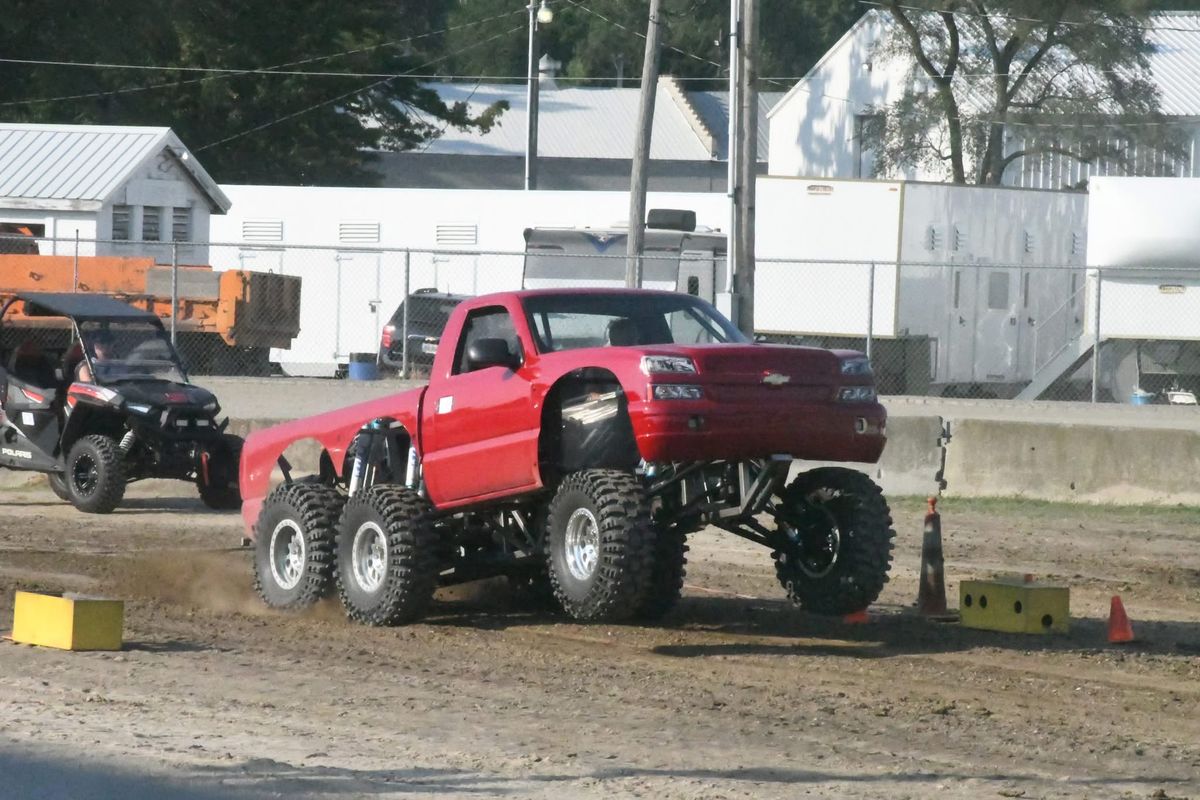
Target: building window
{"type": "Point", "coordinates": [122, 222]}
{"type": "Point", "coordinates": [151, 224]}
{"type": "Point", "coordinates": [181, 225]}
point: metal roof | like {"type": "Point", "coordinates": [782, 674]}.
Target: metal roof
{"type": "Point", "coordinates": [87, 163]}
{"type": "Point", "coordinates": [80, 305]}
{"type": "Point", "coordinates": [713, 108]}
{"type": "Point", "coordinates": [576, 122]}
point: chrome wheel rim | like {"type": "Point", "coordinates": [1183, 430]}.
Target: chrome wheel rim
{"type": "Point", "coordinates": [288, 554]}
{"type": "Point", "coordinates": [582, 544]}
{"type": "Point", "coordinates": [369, 556]}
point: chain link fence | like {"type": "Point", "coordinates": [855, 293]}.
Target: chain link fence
{"type": "Point", "coordinates": [1024, 331]}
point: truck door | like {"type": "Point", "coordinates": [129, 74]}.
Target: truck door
{"type": "Point", "coordinates": [480, 426]}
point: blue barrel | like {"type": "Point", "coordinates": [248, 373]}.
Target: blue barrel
{"type": "Point", "coordinates": [362, 367]}
{"type": "Point", "coordinates": [1141, 398]}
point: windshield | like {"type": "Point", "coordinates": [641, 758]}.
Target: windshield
{"type": "Point", "coordinates": [571, 321]}
{"type": "Point", "coordinates": [122, 350]}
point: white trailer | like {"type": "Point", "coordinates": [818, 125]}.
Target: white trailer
{"type": "Point", "coordinates": [1142, 291]}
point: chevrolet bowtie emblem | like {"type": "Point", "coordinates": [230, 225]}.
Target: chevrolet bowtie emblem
{"type": "Point", "coordinates": [775, 379]}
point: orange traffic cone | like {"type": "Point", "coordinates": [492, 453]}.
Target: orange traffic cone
{"type": "Point", "coordinates": [857, 617]}
{"type": "Point", "coordinates": [931, 596]}
{"type": "Point", "coordinates": [1119, 629]}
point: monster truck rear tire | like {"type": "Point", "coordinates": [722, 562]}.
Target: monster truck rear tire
{"type": "Point", "coordinates": [387, 556]}
{"type": "Point", "coordinates": [221, 492]}
{"type": "Point", "coordinates": [58, 485]}
{"type": "Point", "coordinates": [599, 544]}
{"type": "Point", "coordinates": [293, 544]}
{"type": "Point", "coordinates": [840, 537]}
{"type": "Point", "coordinates": [666, 576]}
{"type": "Point", "coordinates": [95, 475]}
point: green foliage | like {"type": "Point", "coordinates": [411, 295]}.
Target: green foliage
{"type": "Point", "coordinates": [1060, 76]}
{"type": "Point", "coordinates": [604, 38]}
{"type": "Point", "coordinates": [261, 128]}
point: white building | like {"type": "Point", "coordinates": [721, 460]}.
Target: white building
{"type": "Point", "coordinates": [816, 129]}
{"type": "Point", "coordinates": [130, 188]}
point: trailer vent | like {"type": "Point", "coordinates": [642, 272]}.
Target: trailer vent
{"type": "Point", "coordinates": [457, 233]}
{"type": "Point", "coordinates": [1030, 243]}
{"type": "Point", "coordinates": [1076, 243]}
{"type": "Point", "coordinates": [933, 238]}
{"type": "Point", "coordinates": [960, 239]}
{"type": "Point", "coordinates": [262, 230]}
{"type": "Point", "coordinates": [358, 232]}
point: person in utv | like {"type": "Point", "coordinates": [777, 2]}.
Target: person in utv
{"type": "Point", "coordinates": [102, 350]}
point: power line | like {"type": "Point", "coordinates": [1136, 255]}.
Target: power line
{"type": "Point", "coordinates": [354, 92]}
{"type": "Point", "coordinates": [216, 73]}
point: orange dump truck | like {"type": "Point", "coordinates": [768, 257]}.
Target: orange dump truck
{"type": "Point", "coordinates": [227, 321]}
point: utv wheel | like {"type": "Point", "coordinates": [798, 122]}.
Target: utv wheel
{"type": "Point", "coordinates": [387, 563]}
{"type": "Point", "coordinates": [599, 545]}
{"type": "Point", "coordinates": [838, 531]}
{"type": "Point", "coordinates": [58, 485]}
{"type": "Point", "coordinates": [95, 476]}
{"type": "Point", "coordinates": [666, 576]}
{"type": "Point", "coordinates": [220, 491]}
{"type": "Point", "coordinates": [293, 544]}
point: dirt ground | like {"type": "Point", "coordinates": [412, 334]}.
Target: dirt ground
{"type": "Point", "coordinates": [737, 694]}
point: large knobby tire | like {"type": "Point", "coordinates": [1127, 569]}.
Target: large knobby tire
{"type": "Point", "coordinates": [666, 576]}
{"type": "Point", "coordinates": [58, 485]}
{"type": "Point", "coordinates": [387, 556]}
{"type": "Point", "coordinates": [293, 544]}
{"type": "Point", "coordinates": [600, 544]}
{"type": "Point", "coordinates": [220, 491]}
{"type": "Point", "coordinates": [95, 475]}
{"type": "Point", "coordinates": [840, 537]}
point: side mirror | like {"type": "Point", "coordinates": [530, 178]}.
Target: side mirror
{"type": "Point", "coordinates": [485, 353]}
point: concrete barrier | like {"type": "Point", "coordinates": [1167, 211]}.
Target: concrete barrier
{"type": "Point", "coordinates": [1080, 463]}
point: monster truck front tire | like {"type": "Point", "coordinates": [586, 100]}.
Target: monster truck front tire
{"type": "Point", "coordinates": [387, 560]}
{"type": "Point", "coordinates": [95, 476]}
{"type": "Point", "coordinates": [293, 544]}
{"type": "Point", "coordinates": [599, 545]}
{"type": "Point", "coordinates": [838, 533]}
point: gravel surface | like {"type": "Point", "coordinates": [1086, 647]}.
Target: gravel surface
{"type": "Point", "coordinates": [736, 695]}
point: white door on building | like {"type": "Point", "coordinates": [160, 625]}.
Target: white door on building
{"type": "Point", "coordinates": [358, 303]}
{"type": "Point", "coordinates": [997, 326]}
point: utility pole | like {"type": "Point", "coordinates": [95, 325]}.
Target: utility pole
{"type": "Point", "coordinates": [748, 78]}
{"type": "Point", "coordinates": [544, 15]}
{"type": "Point", "coordinates": [641, 154]}
{"type": "Point", "coordinates": [732, 151]}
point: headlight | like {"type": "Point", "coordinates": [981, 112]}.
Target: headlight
{"type": "Point", "coordinates": [211, 407]}
{"type": "Point", "coordinates": [856, 394]}
{"type": "Point", "coordinates": [856, 366]}
{"type": "Point", "coordinates": [677, 391]}
{"type": "Point", "coordinates": [138, 408]}
{"type": "Point", "coordinates": [658, 365]}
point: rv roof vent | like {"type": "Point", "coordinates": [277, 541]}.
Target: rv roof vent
{"type": "Point", "coordinates": [671, 219]}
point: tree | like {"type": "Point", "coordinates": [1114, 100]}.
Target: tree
{"type": "Point", "coordinates": [601, 39]}
{"type": "Point", "coordinates": [1060, 76]}
{"type": "Point", "coordinates": [246, 126]}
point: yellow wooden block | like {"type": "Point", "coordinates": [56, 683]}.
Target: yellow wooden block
{"type": "Point", "coordinates": [1014, 606]}
{"type": "Point", "coordinates": [68, 622]}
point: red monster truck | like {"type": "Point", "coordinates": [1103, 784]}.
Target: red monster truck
{"type": "Point", "coordinates": [571, 440]}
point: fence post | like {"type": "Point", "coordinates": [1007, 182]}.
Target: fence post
{"type": "Point", "coordinates": [75, 280]}
{"type": "Point", "coordinates": [1096, 340]}
{"type": "Point", "coordinates": [404, 319]}
{"type": "Point", "coordinates": [871, 311]}
{"type": "Point", "coordinates": [174, 289]}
